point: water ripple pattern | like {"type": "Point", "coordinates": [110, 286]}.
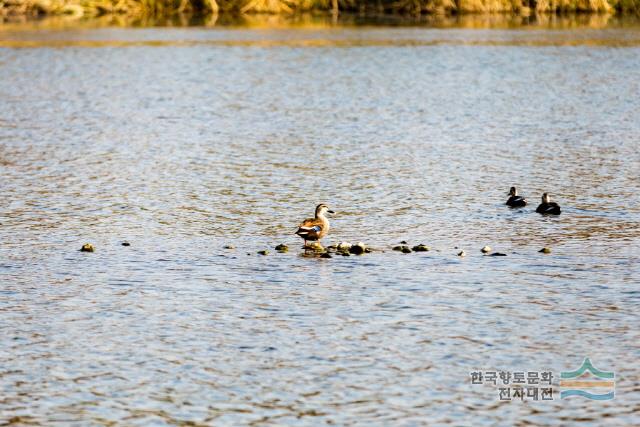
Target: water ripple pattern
{"type": "Point", "coordinates": [187, 140]}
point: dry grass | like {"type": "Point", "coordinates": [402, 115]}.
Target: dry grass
{"type": "Point", "coordinates": [414, 7]}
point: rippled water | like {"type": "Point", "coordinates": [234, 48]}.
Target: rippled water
{"type": "Point", "coordinates": [184, 140]}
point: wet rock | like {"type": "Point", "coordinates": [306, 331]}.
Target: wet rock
{"type": "Point", "coordinates": [229, 247]}
{"type": "Point", "coordinates": [344, 253]}
{"type": "Point", "coordinates": [87, 247]}
{"type": "Point", "coordinates": [282, 248]}
{"type": "Point", "coordinates": [462, 253]}
{"type": "Point", "coordinates": [343, 246]}
{"type": "Point", "coordinates": [498, 254]}
{"type": "Point", "coordinates": [486, 249]}
{"type": "Point", "coordinates": [404, 242]}
{"type": "Point", "coordinates": [420, 248]}
{"type": "Point", "coordinates": [263, 252]}
{"type": "Point", "coordinates": [358, 248]}
{"type": "Point", "coordinates": [126, 244]}
{"type": "Point", "coordinates": [545, 250]}
{"type": "Point", "coordinates": [315, 246]}
{"type": "Point", "coordinates": [326, 255]}
{"type": "Point", "coordinates": [406, 250]}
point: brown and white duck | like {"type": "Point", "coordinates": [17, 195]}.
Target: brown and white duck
{"type": "Point", "coordinates": [314, 229]}
{"type": "Point", "coordinates": [547, 206]}
{"type": "Point", "coordinates": [514, 200]}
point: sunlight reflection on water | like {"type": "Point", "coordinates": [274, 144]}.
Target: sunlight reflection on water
{"type": "Point", "coordinates": [191, 139]}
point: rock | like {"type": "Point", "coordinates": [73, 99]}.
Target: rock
{"type": "Point", "coordinates": [367, 250]}
{"type": "Point", "coordinates": [358, 248]}
{"type": "Point", "coordinates": [344, 253]}
{"type": "Point", "coordinates": [229, 247]}
{"type": "Point", "coordinates": [406, 250]}
{"type": "Point", "coordinates": [326, 255]}
{"type": "Point", "coordinates": [282, 248]}
{"type": "Point", "coordinates": [87, 247]}
{"type": "Point", "coordinates": [545, 250]}
{"type": "Point", "coordinates": [397, 248]}
{"type": "Point", "coordinates": [420, 248]}
{"type": "Point", "coordinates": [315, 246]}
{"type": "Point", "coordinates": [404, 242]}
{"type": "Point", "coordinates": [462, 253]}
{"type": "Point", "coordinates": [486, 249]}
{"type": "Point", "coordinates": [126, 244]}
{"type": "Point", "coordinates": [343, 246]}
{"type": "Point", "coordinates": [498, 254]}
{"type": "Point", "coordinates": [263, 252]}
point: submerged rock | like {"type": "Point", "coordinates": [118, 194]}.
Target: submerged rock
{"type": "Point", "coordinates": [358, 248]}
{"type": "Point", "coordinates": [486, 249]}
{"type": "Point", "coordinates": [87, 247]}
{"type": "Point", "coordinates": [404, 242]}
{"type": "Point", "coordinates": [402, 248]}
{"type": "Point", "coordinates": [229, 247]}
{"type": "Point", "coordinates": [126, 244]}
{"type": "Point", "coordinates": [344, 253]}
{"type": "Point", "coordinates": [545, 250]}
{"type": "Point", "coordinates": [420, 248]}
{"type": "Point", "coordinates": [282, 248]}
{"type": "Point", "coordinates": [263, 252]}
{"type": "Point", "coordinates": [326, 255]}
{"type": "Point", "coordinates": [498, 254]}
{"type": "Point", "coordinates": [462, 253]}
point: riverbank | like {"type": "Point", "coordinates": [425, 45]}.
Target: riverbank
{"type": "Point", "coordinates": [11, 9]}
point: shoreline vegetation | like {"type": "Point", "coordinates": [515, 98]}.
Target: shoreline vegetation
{"type": "Point", "coordinates": [16, 9]}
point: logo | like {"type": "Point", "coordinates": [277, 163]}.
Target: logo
{"type": "Point", "coordinates": [579, 383]}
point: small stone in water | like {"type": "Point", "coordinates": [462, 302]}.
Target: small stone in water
{"type": "Point", "coordinates": [421, 248]}
{"type": "Point", "coordinates": [498, 254]}
{"type": "Point", "coordinates": [486, 249]}
{"type": "Point", "coordinates": [462, 253]}
{"type": "Point", "coordinates": [545, 250]}
{"type": "Point", "coordinates": [404, 242]}
{"type": "Point", "coordinates": [358, 248]}
{"type": "Point", "coordinates": [406, 250]}
{"type": "Point", "coordinates": [282, 247]}
{"type": "Point", "coordinates": [87, 247]}
{"type": "Point", "coordinates": [316, 246]}
{"type": "Point", "coordinates": [345, 254]}
{"type": "Point", "coordinates": [343, 246]}
{"type": "Point", "coordinates": [229, 247]}
{"type": "Point", "coordinates": [263, 252]}
{"type": "Point", "coordinates": [326, 255]}
{"type": "Point", "coordinates": [126, 244]}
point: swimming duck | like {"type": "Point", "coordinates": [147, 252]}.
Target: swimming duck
{"type": "Point", "coordinates": [315, 228]}
{"type": "Point", "coordinates": [547, 206]}
{"type": "Point", "coordinates": [515, 201]}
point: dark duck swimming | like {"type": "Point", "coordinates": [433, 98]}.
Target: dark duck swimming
{"type": "Point", "coordinates": [514, 200]}
{"type": "Point", "coordinates": [314, 229]}
{"type": "Point", "coordinates": [548, 207]}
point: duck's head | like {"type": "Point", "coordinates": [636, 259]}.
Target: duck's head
{"type": "Point", "coordinates": [323, 209]}
{"type": "Point", "coordinates": [513, 191]}
{"type": "Point", "coordinates": [546, 198]}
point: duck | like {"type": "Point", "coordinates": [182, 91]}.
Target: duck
{"type": "Point", "coordinates": [514, 200]}
{"type": "Point", "coordinates": [547, 206]}
{"type": "Point", "coordinates": [316, 228]}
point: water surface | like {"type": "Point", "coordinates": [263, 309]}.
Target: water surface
{"type": "Point", "coordinates": [184, 140]}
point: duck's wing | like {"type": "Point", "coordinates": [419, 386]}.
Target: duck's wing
{"type": "Point", "coordinates": [310, 228]}
{"type": "Point", "coordinates": [548, 208]}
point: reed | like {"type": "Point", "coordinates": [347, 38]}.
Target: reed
{"type": "Point", "coordinates": [15, 8]}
